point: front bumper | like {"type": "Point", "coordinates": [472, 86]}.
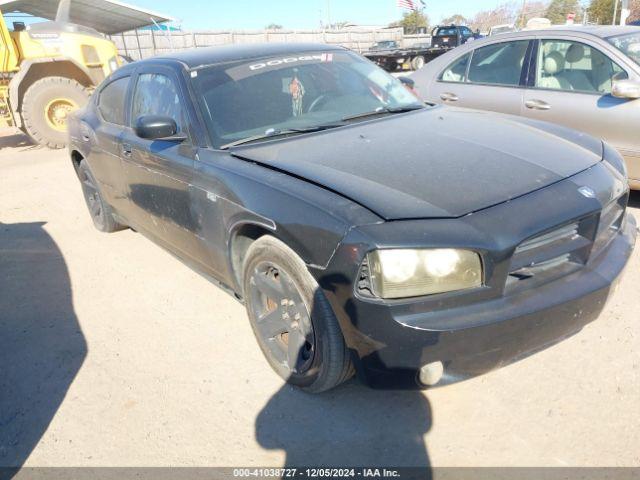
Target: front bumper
{"type": "Point", "coordinates": [390, 343]}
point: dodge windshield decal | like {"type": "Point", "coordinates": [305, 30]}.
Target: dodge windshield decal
{"type": "Point", "coordinates": [324, 57]}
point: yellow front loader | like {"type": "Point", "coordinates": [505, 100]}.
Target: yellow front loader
{"type": "Point", "coordinates": [48, 70]}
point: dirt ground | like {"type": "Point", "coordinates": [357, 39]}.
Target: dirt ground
{"type": "Point", "coordinates": [112, 353]}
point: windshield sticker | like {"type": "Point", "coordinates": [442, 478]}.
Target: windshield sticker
{"type": "Point", "coordinates": [380, 94]}
{"type": "Point", "coordinates": [296, 89]}
{"type": "Point", "coordinates": [324, 57]}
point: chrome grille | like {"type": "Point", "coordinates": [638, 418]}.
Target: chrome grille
{"type": "Point", "coordinates": [565, 249]}
{"type": "Point", "coordinates": [549, 249]}
{"type": "Point", "coordinates": [566, 233]}
{"type": "Point", "coordinates": [552, 254]}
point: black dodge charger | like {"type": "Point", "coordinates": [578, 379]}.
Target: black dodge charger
{"type": "Point", "coordinates": [365, 231]}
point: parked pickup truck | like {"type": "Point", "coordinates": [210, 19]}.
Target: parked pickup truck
{"type": "Point", "coordinates": [443, 39]}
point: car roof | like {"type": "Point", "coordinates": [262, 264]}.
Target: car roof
{"type": "Point", "coordinates": [199, 57]}
{"type": "Point", "coordinates": [601, 31]}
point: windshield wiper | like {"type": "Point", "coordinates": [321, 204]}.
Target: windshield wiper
{"type": "Point", "coordinates": [273, 133]}
{"type": "Point", "coordinates": [383, 111]}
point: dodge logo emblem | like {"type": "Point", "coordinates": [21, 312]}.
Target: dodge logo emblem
{"type": "Point", "coordinates": [587, 192]}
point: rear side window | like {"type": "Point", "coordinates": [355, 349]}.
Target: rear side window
{"type": "Point", "coordinates": [457, 71]}
{"type": "Point", "coordinates": [111, 101]}
{"type": "Point", "coordinates": [498, 64]}
{"type": "Point", "coordinates": [574, 66]}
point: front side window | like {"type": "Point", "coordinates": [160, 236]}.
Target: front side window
{"type": "Point", "coordinates": [457, 71]}
{"type": "Point", "coordinates": [294, 92]}
{"type": "Point", "coordinates": [156, 94]}
{"type": "Point", "coordinates": [111, 101]}
{"type": "Point", "coordinates": [629, 45]}
{"type": "Point", "coordinates": [573, 66]}
{"type": "Point", "coordinates": [498, 64]}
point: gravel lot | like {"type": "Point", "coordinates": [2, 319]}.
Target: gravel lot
{"type": "Point", "coordinates": [112, 353]}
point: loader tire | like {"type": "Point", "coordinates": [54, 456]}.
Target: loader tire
{"type": "Point", "coordinates": [46, 106]}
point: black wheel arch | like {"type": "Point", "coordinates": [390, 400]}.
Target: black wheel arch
{"type": "Point", "coordinates": [76, 158]}
{"type": "Point", "coordinates": [243, 234]}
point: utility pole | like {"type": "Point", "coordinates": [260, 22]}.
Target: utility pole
{"type": "Point", "coordinates": [624, 12]}
{"type": "Point", "coordinates": [329, 13]}
{"type": "Point", "coordinates": [523, 15]}
{"type": "Point", "coordinates": [615, 11]}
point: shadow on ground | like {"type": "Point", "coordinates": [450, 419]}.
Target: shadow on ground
{"type": "Point", "coordinates": [349, 426]}
{"type": "Point", "coordinates": [41, 344]}
{"type": "Point", "coordinates": [16, 140]}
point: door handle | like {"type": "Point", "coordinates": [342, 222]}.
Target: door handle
{"type": "Point", "coordinates": [449, 97]}
{"type": "Point", "coordinates": [537, 105]}
{"type": "Point", "coordinates": [126, 150]}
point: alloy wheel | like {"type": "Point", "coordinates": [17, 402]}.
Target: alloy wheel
{"type": "Point", "coordinates": [282, 320]}
{"type": "Point", "coordinates": [92, 197]}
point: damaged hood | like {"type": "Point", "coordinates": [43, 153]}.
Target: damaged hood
{"type": "Point", "coordinates": [433, 163]}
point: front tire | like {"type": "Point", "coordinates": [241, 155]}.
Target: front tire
{"type": "Point", "coordinates": [46, 106]}
{"type": "Point", "coordinates": [292, 320]}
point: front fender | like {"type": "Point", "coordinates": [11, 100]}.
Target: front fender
{"type": "Point", "coordinates": [232, 193]}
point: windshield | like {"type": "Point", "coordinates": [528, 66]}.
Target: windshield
{"type": "Point", "coordinates": [266, 96]}
{"type": "Point", "coordinates": [446, 32]}
{"type": "Point", "coordinates": [629, 44]}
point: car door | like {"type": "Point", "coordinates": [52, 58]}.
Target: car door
{"type": "Point", "coordinates": [159, 173]}
{"type": "Point", "coordinates": [105, 136]}
{"type": "Point", "coordinates": [570, 84]}
{"type": "Point", "coordinates": [489, 77]}
{"type": "Point", "coordinates": [466, 35]}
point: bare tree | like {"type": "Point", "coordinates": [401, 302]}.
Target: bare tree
{"type": "Point", "coordinates": [456, 19]}
{"type": "Point", "coordinates": [510, 12]}
{"type": "Point", "coordinates": [634, 6]}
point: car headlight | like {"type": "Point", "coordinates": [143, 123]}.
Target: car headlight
{"type": "Point", "coordinates": [402, 273]}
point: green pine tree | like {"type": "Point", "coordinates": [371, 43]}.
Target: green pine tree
{"type": "Point", "coordinates": [558, 10]}
{"type": "Point", "coordinates": [601, 12]}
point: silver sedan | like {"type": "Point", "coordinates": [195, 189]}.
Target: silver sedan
{"type": "Point", "coordinates": [586, 78]}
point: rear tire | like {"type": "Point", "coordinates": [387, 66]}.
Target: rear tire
{"type": "Point", "coordinates": [100, 211]}
{"type": "Point", "coordinates": [418, 62]}
{"type": "Point", "coordinates": [46, 106]}
{"type": "Point", "coordinates": [285, 304]}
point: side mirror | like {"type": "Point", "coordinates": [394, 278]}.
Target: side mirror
{"type": "Point", "coordinates": [626, 89]}
{"type": "Point", "coordinates": [407, 82]}
{"type": "Point", "coordinates": [157, 127]}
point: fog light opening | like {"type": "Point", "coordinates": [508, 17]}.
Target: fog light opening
{"type": "Point", "coordinates": [431, 373]}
